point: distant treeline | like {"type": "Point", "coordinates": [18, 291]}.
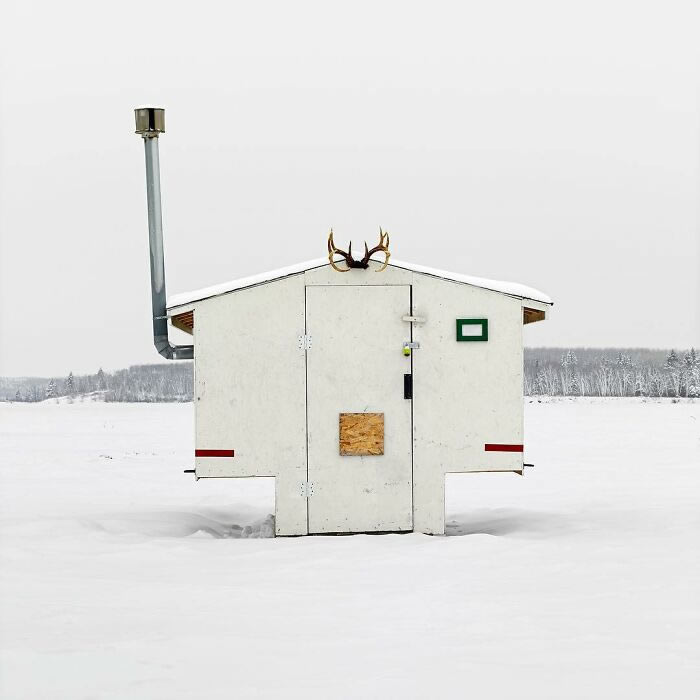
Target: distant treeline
{"type": "Point", "coordinates": [139, 383]}
{"type": "Point", "coordinates": [548, 371]}
{"type": "Point", "coordinates": [612, 372]}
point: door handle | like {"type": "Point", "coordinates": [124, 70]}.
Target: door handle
{"type": "Point", "coordinates": [408, 386]}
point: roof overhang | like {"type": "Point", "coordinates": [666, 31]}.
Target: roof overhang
{"type": "Point", "coordinates": [511, 288]}
{"type": "Point", "coordinates": [181, 306]}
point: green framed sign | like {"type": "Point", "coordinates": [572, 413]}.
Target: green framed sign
{"type": "Point", "coordinates": [470, 329]}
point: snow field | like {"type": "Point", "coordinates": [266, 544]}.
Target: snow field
{"type": "Point", "coordinates": [120, 577]}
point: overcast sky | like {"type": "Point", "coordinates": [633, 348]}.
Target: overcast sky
{"type": "Point", "coordinates": [554, 144]}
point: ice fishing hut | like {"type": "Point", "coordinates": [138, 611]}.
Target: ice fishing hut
{"type": "Point", "coordinates": [356, 383]}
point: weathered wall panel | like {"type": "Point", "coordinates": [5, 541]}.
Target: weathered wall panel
{"type": "Point", "coordinates": [464, 394]}
{"type": "Point", "coordinates": [250, 391]}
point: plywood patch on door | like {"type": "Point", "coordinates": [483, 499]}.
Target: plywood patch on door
{"type": "Point", "coordinates": [361, 433]}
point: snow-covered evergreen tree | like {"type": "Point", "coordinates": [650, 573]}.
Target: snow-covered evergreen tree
{"type": "Point", "coordinates": [575, 383]}
{"type": "Point", "coordinates": [18, 395]}
{"type": "Point", "coordinates": [538, 383]}
{"type": "Point", "coordinates": [672, 360]}
{"type": "Point", "coordinates": [101, 382]}
{"type": "Point", "coordinates": [570, 380]}
{"type": "Point", "coordinates": [691, 360]}
{"type": "Point", "coordinates": [673, 368]}
{"type": "Point", "coordinates": [569, 359]}
{"type": "Point", "coordinates": [51, 389]}
{"type": "Point", "coordinates": [70, 385]}
{"type": "Point", "coordinates": [625, 374]}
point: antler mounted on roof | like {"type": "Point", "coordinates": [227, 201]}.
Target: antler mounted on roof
{"type": "Point", "coordinates": [383, 247]}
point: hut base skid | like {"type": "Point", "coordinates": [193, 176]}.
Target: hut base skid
{"type": "Point", "coordinates": [358, 392]}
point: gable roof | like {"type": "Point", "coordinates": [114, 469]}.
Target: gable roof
{"type": "Point", "coordinates": [510, 288]}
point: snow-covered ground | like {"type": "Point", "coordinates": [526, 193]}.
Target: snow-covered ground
{"type": "Point", "coordinates": [120, 577]}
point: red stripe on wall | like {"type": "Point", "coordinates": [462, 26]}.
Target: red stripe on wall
{"type": "Point", "coordinates": [492, 447]}
{"type": "Point", "coordinates": [213, 453]}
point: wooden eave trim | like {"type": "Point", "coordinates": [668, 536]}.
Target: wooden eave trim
{"type": "Point", "coordinates": [532, 315]}
{"type": "Point", "coordinates": [184, 322]}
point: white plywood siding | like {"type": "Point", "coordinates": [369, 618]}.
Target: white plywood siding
{"type": "Point", "coordinates": [465, 394]}
{"type": "Point", "coordinates": [250, 391]}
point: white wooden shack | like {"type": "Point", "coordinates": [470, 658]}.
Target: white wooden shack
{"type": "Point", "coordinates": [360, 391]}
{"type": "Point", "coordinates": [356, 384]}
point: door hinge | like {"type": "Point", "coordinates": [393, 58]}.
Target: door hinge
{"type": "Point", "coordinates": [304, 342]}
{"type": "Point", "coordinates": [413, 319]}
{"type": "Point", "coordinates": [306, 489]}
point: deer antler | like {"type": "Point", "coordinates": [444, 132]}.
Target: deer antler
{"type": "Point", "coordinates": [383, 247]}
{"type": "Point", "coordinates": [364, 263]}
{"type": "Point", "coordinates": [332, 251]}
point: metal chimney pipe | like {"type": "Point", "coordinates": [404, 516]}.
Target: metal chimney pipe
{"type": "Point", "coordinates": [150, 123]}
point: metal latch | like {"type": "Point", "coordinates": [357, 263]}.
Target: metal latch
{"type": "Point", "coordinates": [304, 342]}
{"type": "Point", "coordinates": [306, 489]}
{"type": "Point", "coordinates": [413, 319]}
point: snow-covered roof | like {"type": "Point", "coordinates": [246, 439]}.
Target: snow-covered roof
{"type": "Point", "coordinates": [510, 288]}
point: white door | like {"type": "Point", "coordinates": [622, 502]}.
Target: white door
{"type": "Point", "coordinates": [360, 464]}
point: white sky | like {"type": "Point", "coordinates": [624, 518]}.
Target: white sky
{"type": "Point", "coordinates": [554, 144]}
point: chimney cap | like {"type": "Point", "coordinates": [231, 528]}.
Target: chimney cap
{"type": "Point", "coordinates": [150, 121]}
